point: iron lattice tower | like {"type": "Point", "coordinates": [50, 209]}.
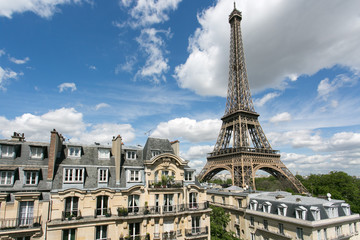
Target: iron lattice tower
{"type": "Point", "coordinates": [242, 147]}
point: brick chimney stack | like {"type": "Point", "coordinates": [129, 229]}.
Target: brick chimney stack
{"type": "Point", "coordinates": [116, 152]}
{"type": "Point", "coordinates": [176, 147]}
{"type": "Point", "coordinates": [19, 137]}
{"type": "Point", "coordinates": [56, 141]}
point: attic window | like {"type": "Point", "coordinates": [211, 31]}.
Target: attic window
{"type": "Point", "coordinates": [267, 207]}
{"type": "Point", "coordinates": [104, 153]}
{"type": "Point", "coordinates": [282, 208]}
{"type": "Point", "coordinates": [6, 177]}
{"type": "Point", "coordinates": [300, 212]}
{"type": "Point", "coordinates": [332, 211]}
{"type": "Point", "coordinates": [36, 152]}
{"type": "Point", "coordinates": [189, 176]}
{"type": "Point", "coordinates": [131, 155]}
{"type": "Point", "coordinates": [253, 204]}
{"type": "Point", "coordinates": [346, 208]}
{"type": "Point", "coordinates": [155, 153]}
{"type": "Point", "coordinates": [7, 151]}
{"type": "Point", "coordinates": [74, 152]}
{"type": "Point", "coordinates": [315, 211]}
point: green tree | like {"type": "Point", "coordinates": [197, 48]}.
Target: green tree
{"type": "Point", "coordinates": [218, 222]}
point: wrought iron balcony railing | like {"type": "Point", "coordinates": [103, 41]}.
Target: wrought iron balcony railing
{"type": "Point", "coordinates": [243, 149]}
{"type": "Point", "coordinates": [102, 212]}
{"type": "Point", "coordinates": [32, 222]}
{"type": "Point", "coordinates": [196, 231]}
{"type": "Point", "coordinates": [71, 215]}
{"type": "Point", "coordinates": [169, 235]}
{"type": "Point", "coordinates": [171, 184]}
{"type": "Point", "coordinates": [136, 237]}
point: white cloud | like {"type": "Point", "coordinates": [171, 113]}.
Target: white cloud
{"type": "Point", "coordinates": [281, 117]}
{"type": "Point", "coordinates": [260, 102]}
{"type": "Point", "coordinates": [65, 86]}
{"type": "Point", "coordinates": [101, 105]}
{"type": "Point", "coordinates": [326, 86]}
{"type": "Point", "coordinates": [2, 52]}
{"type": "Point", "coordinates": [278, 44]}
{"type": "Point", "coordinates": [148, 12]}
{"type": "Point", "coordinates": [127, 66]}
{"type": "Point", "coordinates": [66, 121]}
{"type": "Point", "coordinates": [197, 152]}
{"type": "Point", "coordinates": [19, 61]}
{"type": "Point", "coordinates": [188, 129]}
{"type": "Point", "coordinates": [43, 8]}
{"type": "Point", "coordinates": [156, 64]}
{"type": "Point", "coordinates": [5, 76]}
{"type": "Point", "coordinates": [92, 67]}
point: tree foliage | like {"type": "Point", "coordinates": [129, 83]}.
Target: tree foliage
{"type": "Point", "coordinates": [219, 219]}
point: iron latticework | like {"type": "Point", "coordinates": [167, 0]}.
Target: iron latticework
{"type": "Point", "coordinates": [242, 147]}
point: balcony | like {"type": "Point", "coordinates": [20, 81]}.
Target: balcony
{"type": "Point", "coordinates": [102, 212]}
{"type": "Point", "coordinates": [169, 235]}
{"type": "Point", "coordinates": [136, 237]}
{"type": "Point", "coordinates": [71, 215]}
{"type": "Point", "coordinates": [196, 232]}
{"type": "Point", "coordinates": [242, 149]}
{"type": "Point", "coordinates": [165, 184]}
{"type": "Point", "coordinates": [33, 222]}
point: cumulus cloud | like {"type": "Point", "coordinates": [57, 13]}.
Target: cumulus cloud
{"type": "Point", "coordinates": [92, 67]}
{"type": "Point", "coordinates": [64, 86]}
{"type": "Point", "coordinates": [197, 152]}
{"type": "Point", "coordinates": [326, 87]}
{"type": "Point", "coordinates": [274, 50]}
{"type": "Point", "coordinates": [281, 117]}
{"type": "Point", "coordinates": [101, 105]}
{"type": "Point", "coordinates": [5, 76]}
{"type": "Point", "coordinates": [66, 121]}
{"type": "Point", "coordinates": [19, 61]}
{"type": "Point", "coordinates": [188, 129]}
{"type": "Point", "coordinates": [43, 8]}
{"type": "Point", "coordinates": [148, 12]}
{"type": "Point", "coordinates": [260, 102]}
{"type": "Point", "coordinates": [153, 45]}
{"type": "Point", "coordinates": [2, 52]}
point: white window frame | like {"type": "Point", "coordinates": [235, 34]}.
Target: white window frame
{"type": "Point", "coordinates": [74, 152]}
{"type": "Point", "coordinates": [299, 233]}
{"type": "Point", "coordinates": [103, 153]}
{"type": "Point", "coordinates": [26, 213]}
{"type": "Point", "coordinates": [70, 232]}
{"type": "Point", "coordinates": [267, 207]}
{"type": "Point", "coordinates": [7, 177]}
{"type": "Point", "coordinates": [189, 176]}
{"type": "Point", "coordinates": [195, 224]}
{"type": "Point", "coordinates": [315, 211]}
{"type": "Point", "coordinates": [281, 228]}
{"type": "Point", "coordinates": [103, 175]}
{"type": "Point", "coordinates": [130, 154]}
{"type": "Point", "coordinates": [101, 230]}
{"type": "Point", "coordinates": [73, 175]}
{"type": "Point", "coordinates": [346, 208]}
{"type": "Point", "coordinates": [282, 209]}
{"type": "Point", "coordinates": [253, 205]}
{"type": "Point", "coordinates": [7, 151]}
{"type": "Point", "coordinates": [36, 152]}
{"type": "Point", "coordinates": [338, 230]}
{"type": "Point", "coordinates": [300, 212]}
{"type": "Point", "coordinates": [155, 153]}
{"type": "Point", "coordinates": [332, 211]}
{"type": "Point", "coordinates": [134, 175]}
{"type": "Point", "coordinates": [31, 177]}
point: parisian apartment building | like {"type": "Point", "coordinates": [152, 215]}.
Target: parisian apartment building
{"type": "Point", "coordinates": [62, 190]}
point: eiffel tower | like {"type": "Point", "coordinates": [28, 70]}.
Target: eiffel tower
{"type": "Point", "coordinates": [242, 147]}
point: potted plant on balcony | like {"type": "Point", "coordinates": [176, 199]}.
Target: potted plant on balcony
{"type": "Point", "coordinates": [147, 236]}
{"type": "Point", "coordinates": [122, 211]}
{"type": "Point", "coordinates": [146, 210]}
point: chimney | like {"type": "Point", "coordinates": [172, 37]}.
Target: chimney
{"type": "Point", "coordinates": [116, 152]}
{"type": "Point", "coordinates": [56, 141]}
{"type": "Point", "coordinates": [18, 137]}
{"type": "Point", "coordinates": [176, 147]}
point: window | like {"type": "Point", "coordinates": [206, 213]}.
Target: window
{"type": "Point", "coordinates": [131, 155]}
{"type": "Point", "coordinates": [133, 203]}
{"type": "Point", "coordinates": [74, 175]}
{"type": "Point", "coordinates": [267, 207]}
{"type": "Point", "coordinates": [6, 177]}
{"type": "Point", "coordinates": [223, 200]}
{"type": "Point", "coordinates": [319, 234]}
{"type": "Point", "coordinates": [102, 206]}
{"type": "Point", "coordinates": [300, 212]}
{"type": "Point", "coordinates": [23, 238]}
{"type": "Point", "coordinates": [299, 233]}
{"type": "Point", "coordinates": [36, 152]}
{"type": "Point", "coordinates": [315, 211]}
{"type": "Point", "coordinates": [338, 231]}
{"type": "Point", "coordinates": [346, 208]}
{"type": "Point", "coordinates": [281, 228]}
{"type": "Point", "coordinates": [266, 224]}
{"type": "Point", "coordinates": [134, 230]}
{"type": "Point", "coordinates": [7, 151]}
{"type": "Point", "coordinates": [189, 176]}
{"type": "Point", "coordinates": [239, 203]}
{"type": "Point", "coordinates": [168, 202]}
{"type": "Point", "coordinates": [101, 232]}
{"type": "Point", "coordinates": [157, 207]}
{"type": "Point", "coordinates": [71, 207]}
{"type": "Point", "coordinates": [213, 199]}
{"type": "Point", "coordinates": [195, 224]}
{"type": "Point", "coordinates": [31, 177]}
{"type": "Point", "coordinates": [282, 209]}
{"type": "Point", "coordinates": [252, 221]}
{"type": "Point", "coordinates": [252, 236]}
{"type": "Point", "coordinates": [351, 230]}
{"type": "Point", "coordinates": [155, 153]}
{"type": "Point", "coordinates": [103, 153]}
{"type": "Point", "coordinates": [103, 175]}
{"type": "Point", "coordinates": [332, 212]}
{"type": "Point", "coordinates": [74, 152]}
{"type": "Point", "coordinates": [193, 200]}
{"type": "Point", "coordinates": [69, 234]}
{"type": "Point", "coordinates": [325, 234]}
{"type": "Point", "coordinates": [26, 217]}
{"type": "Point", "coordinates": [134, 175]}
{"type": "Point", "coordinates": [253, 204]}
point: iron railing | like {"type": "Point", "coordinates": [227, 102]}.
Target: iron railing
{"type": "Point", "coordinates": [169, 235]}
{"type": "Point", "coordinates": [242, 149]}
{"type": "Point", "coordinates": [71, 215]}
{"type": "Point", "coordinates": [171, 184]}
{"type": "Point", "coordinates": [32, 222]}
{"type": "Point", "coordinates": [136, 237]}
{"type": "Point", "coordinates": [102, 212]}
{"type": "Point", "coordinates": [196, 231]}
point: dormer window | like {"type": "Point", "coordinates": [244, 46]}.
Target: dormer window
{"type": "Point", "coordinates": [7, 151]}
{"type": "Point", "coordinates": [189, 176]}
{"type": "Point", "coordinates": [104, 153]}
{"type": "Point", "coordinates": [31, 177]}
{"type": "Point", "coordinates": [155, 153]}
{"type": "Point", "coordinates": [130, 155]}
{"type": "Point", "coordinates": [74, 152]}
{"type": "Point", "coordinates": [267, 207]}
{"type": "Point", "coordinates": [282, 209]}
{"type": "Point", "coordinates": [103, 174]}
{"type": "Point", "coordinates": [134, 176]}
{"type": "Point", "coordinates": [332, 211]}
{"type": "Point", "coordinates": [36, 152]}
{"type": "Point", "coordinates": [346, 208]}
{"type": "Point", "coordinates": [253, 205]}
{"type": "Point", "coordinates": [315, 211]}
{"type": "Point", "coordinates": [6, 177]}
{"type": "Point", "coordinates": [74, 175]}
{"type": "Point", "coordinates": [300, 212]}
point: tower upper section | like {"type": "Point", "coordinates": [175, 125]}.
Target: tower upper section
{"type": "Point", "coordinates": [238, 95]}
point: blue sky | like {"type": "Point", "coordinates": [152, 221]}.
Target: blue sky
{"type": "Point", "coordinates": [95, 69]}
